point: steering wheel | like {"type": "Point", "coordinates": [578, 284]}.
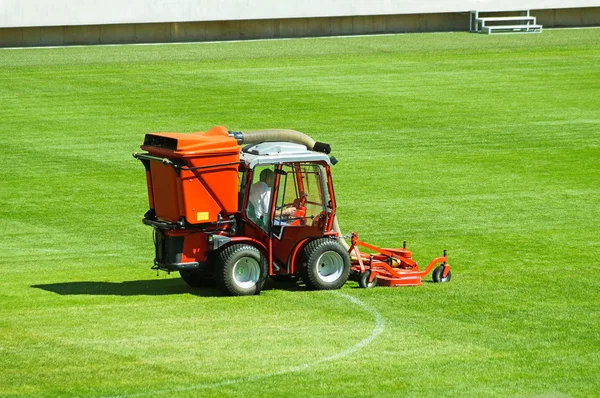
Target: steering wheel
{"type": "Point", "coordinates": [298, 217]}
{"type": "Point", "coordinates": [319, 220]}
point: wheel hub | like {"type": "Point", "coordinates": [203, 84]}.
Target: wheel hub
{"type": "Point", "coordinates": [330, 266]}
{"type": "Point", "coordinates": [246, 272]}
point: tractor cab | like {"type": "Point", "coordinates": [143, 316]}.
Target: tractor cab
{"type": "Point", "coordinates": [286, 198]}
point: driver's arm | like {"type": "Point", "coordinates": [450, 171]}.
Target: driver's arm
{"type": "Point", "coordinates": [288, 211]}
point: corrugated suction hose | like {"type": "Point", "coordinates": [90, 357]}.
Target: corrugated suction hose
{"type": "Point", "coordinates": [280, 135]}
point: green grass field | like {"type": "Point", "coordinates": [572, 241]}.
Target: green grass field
{"type": "Point", "coordinates": [488, 146]}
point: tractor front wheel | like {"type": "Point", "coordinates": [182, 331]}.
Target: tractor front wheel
{"type": "Point", "coordinates": [326, 264]}
{"type": "Point", "coordinates": [241, 270]}
{"type": "Point", "coordinates": [438, 272]}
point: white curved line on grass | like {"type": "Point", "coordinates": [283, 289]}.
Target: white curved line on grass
{"type": "Point", "coordinates": [377, 330]}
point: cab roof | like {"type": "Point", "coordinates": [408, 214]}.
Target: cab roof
{"type": "Point", "coordinates": [279, 152]}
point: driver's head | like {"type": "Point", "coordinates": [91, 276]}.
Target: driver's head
{"type": "Point", "coordinates": [267, 176]}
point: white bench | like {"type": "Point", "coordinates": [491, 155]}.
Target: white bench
{"type": "Point", "coordinates": [490, 24]}
{"type": "Point", "coordinates": [513, 28]}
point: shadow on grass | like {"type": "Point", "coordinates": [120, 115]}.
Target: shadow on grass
{"type": "Point", "coordinates": [292, 285]}
{"type": "Point", "coordinates": [158, 287]}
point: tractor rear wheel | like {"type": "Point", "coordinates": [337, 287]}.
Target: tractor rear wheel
{"type": "Point", "coordinates": [241, 270]}
{"type": "Point", "coordinates": [438, 272]}
{"type": "Point", "coordinates": [326, 264]}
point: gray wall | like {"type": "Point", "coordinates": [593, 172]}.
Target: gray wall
{"type": "Point", "coordinates": [29, 13]}
{"type": "Point", "coordinates": [269, 28]}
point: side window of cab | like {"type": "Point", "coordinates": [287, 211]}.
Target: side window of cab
{"type": "Point", "coordinates": [259, 196]}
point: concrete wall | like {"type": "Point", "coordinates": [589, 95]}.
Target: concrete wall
{"type": "Point", "coordinates": [269, 28]}
{"type": "Point", "coordinates": [29, 13]}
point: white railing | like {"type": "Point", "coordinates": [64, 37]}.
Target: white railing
{"type": "Point", "coordinates": [523, 23]}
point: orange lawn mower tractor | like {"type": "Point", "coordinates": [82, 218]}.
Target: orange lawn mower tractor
{"type": "Point", "coordinates": [209, 227]}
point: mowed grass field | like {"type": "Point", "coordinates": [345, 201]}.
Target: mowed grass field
{"type": "Point", "coordinates": [486, 146]}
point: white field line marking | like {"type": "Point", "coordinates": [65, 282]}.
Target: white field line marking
{"type": "Point", "coordinates": [377, 330]}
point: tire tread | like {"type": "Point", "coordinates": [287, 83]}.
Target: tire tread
{"type": "Point", "coordinates": [225, 260]}
{"type": "Point", "coordinates": [311, 252]}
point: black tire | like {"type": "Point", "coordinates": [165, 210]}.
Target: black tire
{"type": "Point", "coordinates": [354, 276]}
{"type": "Point", "coordinates": [240, 270]}
{"type": "Point", "coordinates": [203, 277]}
{"type": "Point", "coordinates": [438, 272]}
{"type": "Point", "coordinates": [326, 264]}
{"type": "Point", "coordinates": [364, 280]}
{"type": "Point", "coordinates": [196, 278]}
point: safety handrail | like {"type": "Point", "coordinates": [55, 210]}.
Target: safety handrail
{"type": "Point", "coordinates": [176, 166]}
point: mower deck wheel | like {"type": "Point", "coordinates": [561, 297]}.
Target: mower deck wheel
{"type": "Point", "coordinates": [364, 280]}
{"type": "Point", "coordinates": [438, 272]}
